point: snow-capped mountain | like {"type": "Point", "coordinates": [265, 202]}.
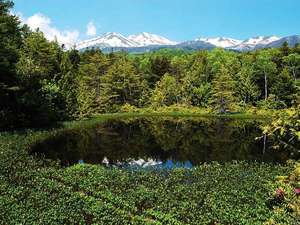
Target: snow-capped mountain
{"type": "Point", "coordinates": [221, 42]}
{"type": "Point", "coordinates": [147, 39]}
{"type": "Point", "coordinates": [291, 40]}
{"type": "Point", "coordinates": [146, 42]}
{"type": "Point", "coordinates": [110, 39]}
{"type": "Point", "coordinates": [254, 43]}
{"type": "Point", "coordinates": [116, 40]}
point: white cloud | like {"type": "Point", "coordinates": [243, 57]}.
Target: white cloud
{"type": "Point", "coordinates": [44, 23]}
{"type": "Point", "coordinates": [91, 29]}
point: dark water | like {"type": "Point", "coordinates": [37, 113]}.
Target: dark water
{"type": "Point", "coordinates": [162, 143]}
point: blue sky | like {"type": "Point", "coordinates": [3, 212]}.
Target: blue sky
{"type": "Point", "coordinates": [175, 19]}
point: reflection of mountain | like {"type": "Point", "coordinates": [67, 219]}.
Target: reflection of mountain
{"type": "Point", "coordinates": [159, 142]}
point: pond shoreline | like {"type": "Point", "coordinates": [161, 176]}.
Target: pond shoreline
{"type": "Point", "coordinates": [103, 117]}
{"type": "Point", "coordinates": [37, 190]}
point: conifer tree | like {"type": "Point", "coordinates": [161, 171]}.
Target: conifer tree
{"type": "Point", "coordinates": [10, 42]}
{"type": "Point", "coordinates": [293, 63]}
{"type": "Point", "coordinates": [93, 67]}
{"type": "Point", "coordinates": [222, 91]}
{"type": "Point", "coordinates": [296, 48]}
{"type": "Point", "coordinates": [68, 82]}
{"type": "Point", "coordinates": [120, 85]}
{"type": "Point", "coordinates": [38, 73]}
{"type": "Point", "coordinates": [284, 88]}
{"type": "Point", "coordinates": [166, 92]}
{"type": "Point", "coordinates": [246, 88]}
{"type": "Point", "coordinates": [285, 49]}
{"type": "Point", "coordinates": [265, 67]}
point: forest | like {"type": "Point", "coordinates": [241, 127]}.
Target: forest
{"type": "Point", "coordinates": [42, 82]}
{"type": "Point", "coordinates": [220, 129]}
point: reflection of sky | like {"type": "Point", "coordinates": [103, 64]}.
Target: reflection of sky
{"type": "Point", "coordinates": [149, 163]}
{"type": "Point", "coordinates": [170, 164]}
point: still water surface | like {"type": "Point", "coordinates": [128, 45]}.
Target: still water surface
{"type": "Point", "coordinates": [161, 143]}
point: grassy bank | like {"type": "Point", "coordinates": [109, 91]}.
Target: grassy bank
{"type": "Point", "coordinates": [172, 111]}
{"type": "Point", "coordinates": [36, 191]}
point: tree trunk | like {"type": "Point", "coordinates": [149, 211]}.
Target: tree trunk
{"type": "Point", "coordinates": [266, 87]}
{"type": "Point", "coordinates": [265, 142]}
{"type": "Point", "coordinates": [294, 74]}
{"type": "Point", "coordinates": [222, 108]}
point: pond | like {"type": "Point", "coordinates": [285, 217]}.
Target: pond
{"type": "Point", "coordinates": [162, 142]}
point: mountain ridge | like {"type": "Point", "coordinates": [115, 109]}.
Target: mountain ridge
{"type": "Point", "coordinates": [144, 42]}
{"type": "Point", "coordinates": [147, 39]}
{"type": "Point", "coordinates": [222, 42]}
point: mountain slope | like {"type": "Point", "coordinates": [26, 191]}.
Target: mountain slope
{"type": "Point", "coordinates": [291, 40]}
{"type": "Point", "coordinates": [111, 39]}
{"type": "Point", "coordinates": [254, 43]}
{"type": "Point", "coordinates": [147, 39]}
{"type": "Point", "coordinates": [146, 42]}
{"type": "Point", "coordinates": [194, 45]}
{"type": "Point", "coordinates": [221, 42]}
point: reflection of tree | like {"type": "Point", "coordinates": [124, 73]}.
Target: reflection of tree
{"type": "Point", "coordinates": [206, 140]}
{"type": "Point", "coordinates": [231, 141]}
{"type": "Point", "coordinates": [167, 133]}
{"type": "Point", "coordinates": [182, 139]}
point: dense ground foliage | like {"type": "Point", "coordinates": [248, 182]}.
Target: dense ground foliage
{"type": "Point", "coordinates": [42, 82]}
{"type": "Point", "coordinates": [287, 188]}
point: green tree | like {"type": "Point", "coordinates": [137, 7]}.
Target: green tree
{"type": "Point", "coordinates": [296, 48]}
{"type": "Point", "coordinates": [285, 49]}
{"type": "Point", "coordinates": [195, 84]}
{"type": "Point", "coordinates": [10, 41]}
{"type": "Point", "coordinates": [197, 67]}
{"type": "Point", "coordinates": [201, 95]}
{"type": "Point", "coordinates": [265, 67]}
{"type": "Point", "coordinates": [222, 91]}
{"type": "Point", "coordinates": [293, 63]}
{"type": "Point", "coordinates": [195, 90]}
{"type": "Point", "coordinates": [246, 88]}
{"type": "Point", "coordinates": [68, 82]}
{"type": "Point", "coordinates": [120, 85]}
{"type": "Point", "coordinates": [178, 66]}
{"type": "Point", "coordinates": [89, 95]}
{"type": "Point", "coordinates": [39, 60]}
{"type": "Point", "coordinates": [160, 64]}
{"type": "Point", "coordinates": [284, 88]}
{"type": "Point", "coordinates": [166, 92]}
{"type": "Point", "coordinates": [219, 58]}
{"type": "Point", "coordinates": [11, 33]}
{"type": "Point", "coordinates": [38, 74]}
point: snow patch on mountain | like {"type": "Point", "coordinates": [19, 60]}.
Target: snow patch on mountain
{"type": "Point", "coordinates": [144, 42]}
{"type": "Point", "coordinates": [291, 40]}
{"type": "Point", "coordinates": [110, 39]}
{"type": "Point", "coordinates": [255, 42]}
{"type": "Point", "coordinates": [147, 39]}
{"type": "Point", "coordinates": [221, 42]}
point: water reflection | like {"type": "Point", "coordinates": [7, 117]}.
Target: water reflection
{"type": "Point", "coordinates": [161, 143]}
